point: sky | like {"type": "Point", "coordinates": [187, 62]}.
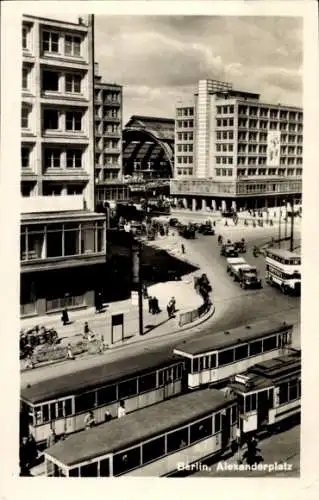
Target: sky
{"type": "Point", "coordinates": [159, 60]}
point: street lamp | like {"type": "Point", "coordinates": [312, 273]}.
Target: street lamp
{"type": "Point", "coordinates": [279, 227]}
{"type": "Point", "coordinates": [136, 279]}
{"type": "Point", "coordinates": [286, 218]}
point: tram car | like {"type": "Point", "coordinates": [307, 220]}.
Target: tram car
{"type": "Point", "coordinates": [213, 359]}
{"type": "Point", "coordinates": [150, 442]}
{"type": "Point", "coordinates": [63, 402]}
{"type": "Point", "coordinates": [268, 394]}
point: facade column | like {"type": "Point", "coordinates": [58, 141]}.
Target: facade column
{"type": "Point", "coordinates": [234, 205]}
{"type": "Point", "coordinates": [184, 202]}
{"type": "Point", "coordinates": [214, 205]}
{"type": "Point", "coordinates": [204, 204]}
{"type": "Point", "coordinates": [193, 204]}
{"type": "Point", "coordinates": [224, 206]}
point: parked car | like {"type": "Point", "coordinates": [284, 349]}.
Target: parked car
{"type": "Point", "coordinates": [228, 250]}
{"type": "Point", "coordinates": [173, 222]}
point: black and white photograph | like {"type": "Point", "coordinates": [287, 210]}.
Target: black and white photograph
{"type": "Point", "coordinates": [160, 230]}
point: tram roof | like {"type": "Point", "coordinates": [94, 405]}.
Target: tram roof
{"type": "Point", "coordinates": [233, 337]}
{"type": "Point", "coordinates": [97, 376]}
{"type": "Point", "coordinates": [256, 383]}
{"type": "Point", "coordinates": [279, 368]}
{"type": "Point", "coordinates": [283, 253]}
{"type": "Point", "coordinates": [137, 426]}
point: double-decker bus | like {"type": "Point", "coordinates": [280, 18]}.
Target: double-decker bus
{"type": "Point", "coordinates": [283, 269]}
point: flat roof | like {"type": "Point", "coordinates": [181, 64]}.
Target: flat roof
{"type": "Point", "coordinates": [256, 383]}
{"type": "Point", "coordinates": [97, 376]}
{"type": "Point", "coordinates": [282, 252]}
{"type": "Point", "coordinates": [137, 426]}
{"type": "Point", "coordinates": [221, 340]}
{"type": "Point", "coordinates": [72, 214]}
{"type": "Point", "coordinates": [280, 367]}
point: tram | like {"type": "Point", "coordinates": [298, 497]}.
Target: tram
{"type": "Point", "coordinates": [213, 359]}
{"type": "Point", "coordinates": [62, 403]}
{"type": "Point", "coordinates": [283, 269]}
{"type": "Point", "coordinates": [150, 442]}
{"type": "Point", "coordinates": [268, 394]}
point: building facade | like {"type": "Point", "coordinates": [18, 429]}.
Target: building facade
{"type": "Point", "coordinates": [232, 150]}
{"type": "Point", "coordinates": [62, 239]}
{"type": "Point", "coordinates": [108, 106]}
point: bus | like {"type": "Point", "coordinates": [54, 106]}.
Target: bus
{"type": "Point", "coordinates": [283, 269]}
{"type": "Point", "coordinates": [215, 358]}
{"type": "Point", "coordinates": [150, 442]}
{"type": "Point", "coordinates": [62, 402]}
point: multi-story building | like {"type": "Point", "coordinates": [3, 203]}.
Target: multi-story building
{"type": "Point", "coordinates": [62, 239]}
{"type": "Point", "coordinates": [108, 135]}
{"type": "Point", "coordinates": [231, 149]}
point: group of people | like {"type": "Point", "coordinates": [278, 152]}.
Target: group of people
{"type": "Point", "coordinates": [153, 305]}
{"type": "Point", "coordinates": [89, 420]}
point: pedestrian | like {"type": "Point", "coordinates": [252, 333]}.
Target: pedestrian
{"type": "Point", "coordinates": [150, 304]}
{"type": "Point", "coordinates": [69, 352]}
{"type": "Point", "coordinates": [65, 317]}
{"type": "Point", "coordinates": [98, 303]}
{"type": "Point", "coordinates": [121, 410]}
{"type": "Point", "coordinates": [183, 248]}
{"type": "Point", "coordinates": [51, 438]}
{"type": "Point", "coordinates": [145, 294]}
{"type": "Point", "coordinates": [86, 329]}
{"type": "Point", "coordinates": [89, 420]}
{"type": "Point", "coordinates": [156, 306]}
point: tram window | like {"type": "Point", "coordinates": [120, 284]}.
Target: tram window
{"type": "Point", "coordinates": [212, 361]}
{"type": "Point", "coordinates": [104, 467]}
{"type": "Point", "coordinates": [225, 357]}
{"type": "Point", "coordinates": [68, 407]}
{"type": "Point", "coordinates": [74, 472]}
{"type": "Point", "coordinates": [89, 470]}
{"type": "Point", "coordinates": [271, 398]}
{"type": "Point", "coordinates": [177, 440]}
{"type": "Point", "coordinates": [106, 395]}
{"type": "Point", "coordinates": [153, 449]}
{"type": "Point", "coordinates": [38, 414]}
{"type": "Point", "coordinates": [201, 429]}
{"type": "Point", "coordinates": [126, 460]}
{"type": "Point", "coordinates": [293, 391]}
{"type": "Point", "coordinates": [147, 382]}
{"type": "Point", "coordinates": [195, 365]}
{"type": "Point", "coordinates": [59, 409]}
{"type": "Point", "coordinates": [128, 388]}
{"type": "Point", "coordinates": [283, 393]}
{"type": "Point", "coordinates": [203, 363]}
{"type": "Point", "coordinates": [178, 372]}
{"type": "Point", "coordinates": [217, 422]}
{"type": "Point", "coordinates": [240, 403]}
{"type": "Point", "coordinates": [270, 343]}
{"type": "Point", "coordinates": [255, 348]}
{"type": "Point", "coordinates": [241, 352]}
{"type": "Point", "coordinates": [233, 414]}
{"type": "Point", "coordinates": [85, 401]}
{"type": "Point", "coordinates": [45, 413]}
{"type": "Point", "coordinates": [250, 404]}
{"type": "Point", "coordinates": [188, 365]}
{"type": "Point", "coordinates": [52, 411]}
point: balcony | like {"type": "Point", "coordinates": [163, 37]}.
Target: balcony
{"type": "Point", "coordinates": [111, 119]}
{"type": "Point", "coordinates": [59, 174]}
{"type": "Point", "coordinates": [111, 102]}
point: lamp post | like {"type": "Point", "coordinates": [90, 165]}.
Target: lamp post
{"type": "Point", "coordinates": [136, 279]}
{"type": "Point", "coordinates": [279, 227]}
{"type": "Point", "coordinates": [286, 218]}
{"type": "Point", "coordinates": [292, 226]}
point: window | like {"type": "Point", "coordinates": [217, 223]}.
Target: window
{"type": "Point", "coordinates": [68, 407]}
{"type": "Point", "coordinates": [45, 413]}
{"type": "Point", "coordinates": [177, 440]}
{"type": "Point", "coordinates": [89, 470]}
{"type": "Point", "coordinates": [127, 388]}
{"type": "Point", "coordinates": [74, 472]}
{"type": "Point", "coordinates": [50, 42]}
{"type": "Point", "coordinates": [50, 81]}
{"type": "Point", "coordinates": [283, 393]}
{"type": "Point", "coordinates": [217, 422]}
{"type": "Point", "coordinates": [25, 117]}
{"type": "Point", "coordinates": [104, 467]}
{"type": "Point", "coordinates": [74, 158]}
{"type": "Point", "coordinates": [71, 239]}
{"type": "Point", "coordinates": [153, 449]}
{"type": "Point", "coordinates": [270, 343]}
{"type": "Point", "coordinates": [226, 357]}
{"type": "Point", "coordinates": [106, 394]}
{"type": "Point", "coordinates": [293, 389]}
{"type": "Point", "coordinates": [126, 461]}
{"type": "Point", "coordinates": [195, 365]}
{"type": "Point", "coordinates": [52, 158]}
{"type": "Point", "coordinates": [250, 402]}
{"type": "Point", "coordinates": [72, 45]}
{"type": "Point", "coordinates": [73, 120]}
{"type": "Point", "coordinates": [201, 429]}
{"type": "Point", "coordinates": [233, 414]}
{"type": "Point", "coordinates": [25, 78]}
{"type": "Point", "coordinates": [73, 83]}
{"type": "Point", "coordinates": [147, 382]}
{"type": "Point", "coordinates": [25, 37]}
{"type": "Point", "coordinates": [241, 352]}
{"type": "Point", "coordinates": [25, 157]}
{"type": "Point", "coordinates": [50, 119]}
{"type": "Point", "coordinates": [255, 348]}
{"type": "Point", "coordinates": [84, 402]}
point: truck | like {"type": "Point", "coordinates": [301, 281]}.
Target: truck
{"type": "Point", "coordinates": [244, 273]}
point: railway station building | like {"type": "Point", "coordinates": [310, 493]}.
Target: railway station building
{"type": "Point", "coordinates": [233, 150]}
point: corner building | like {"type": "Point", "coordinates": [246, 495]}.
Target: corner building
{"type": "Point", "coordinates": [232, 150]}
{"type": "Point", "coordinates": [62, 244]}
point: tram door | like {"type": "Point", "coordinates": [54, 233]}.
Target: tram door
{"type": "Point", "coordinates": [262, 408]}
{"type": "Point", "coordinates": [225, 427]}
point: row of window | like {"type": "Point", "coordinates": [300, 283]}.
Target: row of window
{"type": "Point", "coordinates": [225, 110]}
{"type": "Point", "coordinates": [108, 394]}
{"type": "Point", "coordinates": [289, 391]}
{"type": "Point", "coordinates": [170, 442]}
{"type": "Point", "coordinates": [185, 148]}
{"type": "Point", "coordinates": [269, 171]}
{"type": "Point", "coordinates": [53, 189]}
{"type": "Point", "coordinates": [185, 123]}
{"type": "Point", "coordinates": [226, 122]}
{"type": "Point", "coordinates": [54, 42]}
{"type": "Point", "coordinates": [185, 112]}
{"type": "Point", "coordinates": [296, 275]}
{"type": "Point", "coordinates": [224, 160]}
{"type": "Point", "coordinates": [53, 119]}
{"type": "Point", "coordinates": [185, 159]}
{"type": "Point", "coordinates": [54, 158]}
{"type": "Point", "coordinates": [262, 137]}
{"type": "Point", "coordinates": [107, 97]}
{"type": "Point", "coordinates": [185, 136]}
{"type": "Point", "coordinates": [253, 148]}
{"type": "Point", "coordinates": [223, 172]}
{"type": "Point", "coordinates": [269, 113]}
{"type": "Point", "coordinates": [269, 188]}
{"type": "Point", "coordinates": [253, 160]}
{"type": "Point", "coordinates": [250, 402]}
{"type": "Point", "coordinates": [51, 81]}
{"type": "Point", "coordinates": [234, 354]}
{"type": "Point", "coordinates": [294, 261]}
{"type": "Point", "coordinates": [224, 147]}
{"type": "Point", "coordinates": [265, 125]}
{"type": "Point", "coordinates": [184, 171]}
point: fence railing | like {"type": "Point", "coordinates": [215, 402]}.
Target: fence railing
{"type": "Point", "coordinates": [190, 316]}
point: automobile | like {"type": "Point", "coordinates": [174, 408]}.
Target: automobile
{"type": "Point", "coordinates": [228, 250]}
{"type": "Point", "coordinates": [240, 246]}
{"type": "Point", "coordinates": [228, 213]}
{"type": "Point", "coordinates": [173, 222]}
{"type": "Point", "coordinates": [207, 230]}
